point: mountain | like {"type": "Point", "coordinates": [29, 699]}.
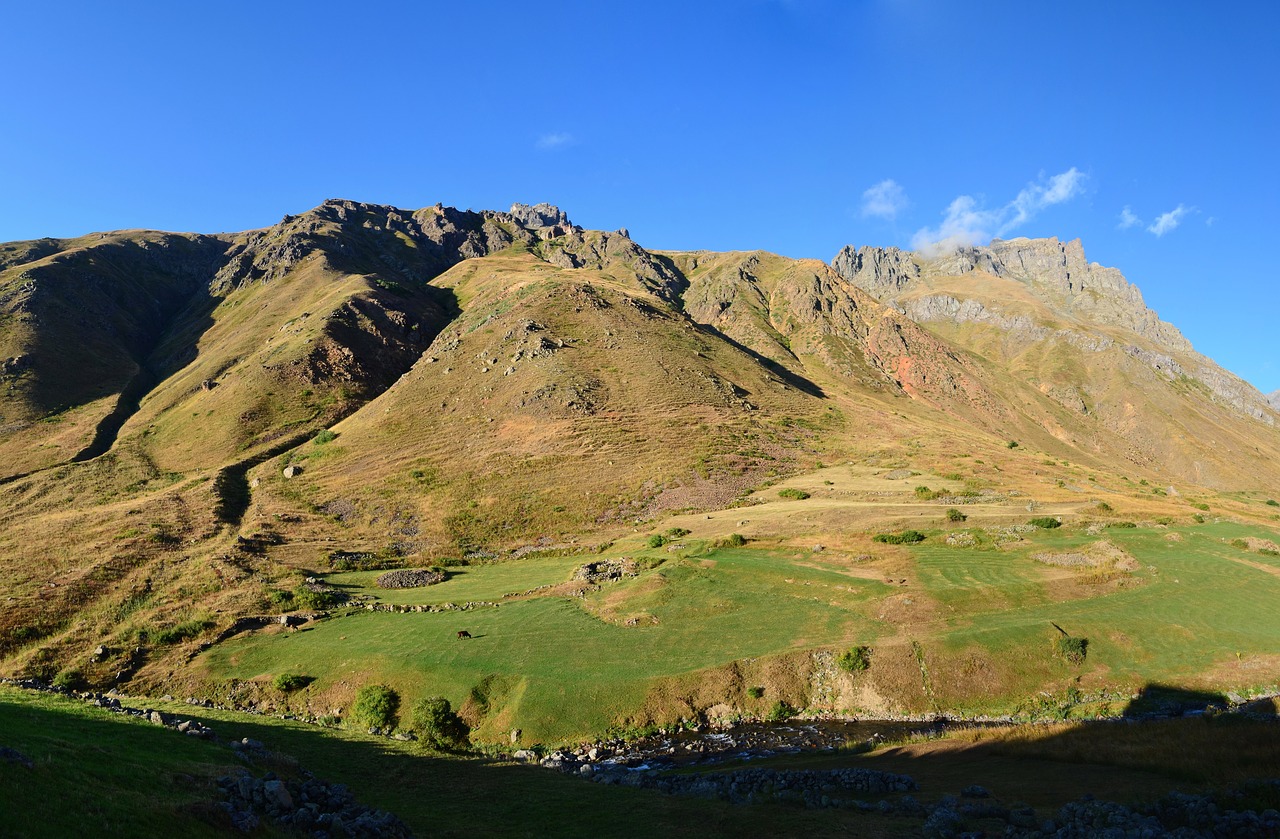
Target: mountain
{"type": "Point", "coordinates": [190, 422]}
{"type": "Point", "coordinates": [1274, 399]}
{"type": "Point", "coordinates": [1082, 335]}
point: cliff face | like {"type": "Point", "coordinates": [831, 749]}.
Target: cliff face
{"type": "Point", "coordinates": [1051, 292]}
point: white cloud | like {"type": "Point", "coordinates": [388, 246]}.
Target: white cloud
{"type": "Point", "coordinates": [1128, 219]}
{"type": "Point", "coordinates": [555, 140]}
{"type": "Point", "coordinates": [1166, 222]}
{"type": "Point", "coordinates": [966, 222]}
{"type": "Point", "coordinates": [884, 200]}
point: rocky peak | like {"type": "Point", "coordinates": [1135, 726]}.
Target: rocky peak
{"type": "Point", "coordinates": [1274, 399]}
{"type": "Point", "coordinates": [540, 215]}
{"type": "Point", "coordinates": [1057, 272]}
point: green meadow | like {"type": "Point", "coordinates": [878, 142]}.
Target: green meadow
{"type": "Point", "coordinates": [566, 666]}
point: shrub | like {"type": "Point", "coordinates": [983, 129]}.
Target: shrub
{"type": "Point", "coordinates": [779, 712]}
{"type": "Point", "coordinates": [1204, 507]}
{"type": "Point", "coordinates": [755, 692]}
{"type": "Point", "coordinates": [305, 597]}
{"type": "Point", "coordinates": [1197, 518]}
{"type": "Point", "coordinates": [1240, 543]}
{"type": "Point", "coordinates": [1045, 522]}
{"type": "Point", "coordinates": [906, 537]}
{"type": "Point", "coordinates": [376, 706]}
{"type": "Point", "coordinates": [792, 492]}
{"type": "Point", "coordinates": [289, 682]}
{"type": "Point", "coordinates": [734, 540]}
{"type": "Point", "coordinates": [436, 724]}
{"type": "Point", "coordinates": [1104, 507]}
{"type": "Point", "coordinates": [1012, 444]}
{"type": "Point", "coordinates": [955, 515]}
{"type": "Point", "coordinates": [855, 660]}
{"type": "Point", "coordinates": [69, 679]}
{"type": "Point", "coordinates": [1121, 524]}
{"type": "Point", "coordinates": [677, 532]}
{"type": "Point", "coordinates": [925, 494]}
{"type": "Point", "coordinates": [182, 632]}
{"type": "Point", "coordinates": [1268, 551]}
{"type": "Point", "coordinates": [324, 436]}
{"type": "Point", "coordinates": [1271, 502]}
{"type": "Point", "coordinates": [657, 540]}
{"type": "Point", "coordinates": [1070, 648]}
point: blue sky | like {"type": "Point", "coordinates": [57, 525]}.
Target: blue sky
{"type": "Point", "coordinates": [1147, 129]}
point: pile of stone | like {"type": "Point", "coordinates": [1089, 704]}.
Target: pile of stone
{"type": "Point", "coordinates": [307, 804]}
{"type": "Point", "coordinates": [606, 570]}
{"type": "Point", "coordinates": [810, 787]}
{"type": "Point", "coordinates": [411, 578]}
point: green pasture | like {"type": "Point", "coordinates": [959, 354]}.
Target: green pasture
{"type": "Point", "coordinates": [1195, 607]}
{"type": "Point", "coordinates": [465, 583]}
{"type": "Point", "coordinates": [564, 668]}
{"type": "Point", "coordinates": [550, 665]}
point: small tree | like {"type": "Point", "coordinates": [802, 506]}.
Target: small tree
{"type": "Point", "coordinates": [436, 724]}
{"type": "Point", "coordinates": [855, 660]}
{"type": "Point", "coordinates": [735, 540]}
{"type": "Point", "coordinates": [376, 706]}
{"type": "Point", "coordinates": [780, 711]}
{"type": "Point", "coordinates": [955, 515]}
{"type": "Point", "coordinates": [1045, 522]}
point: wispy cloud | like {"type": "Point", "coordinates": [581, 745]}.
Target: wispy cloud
{"type": "Point", "coordinates": [967, 222]}
{"type": "Point", "coordinates": [884, 200]}
{"type": "Point", "coordinates": [1128, 219]}
{"type": "Point", "coordinates": [1165, 222]}
{"type": "Point", "coordinates": [555, 140]}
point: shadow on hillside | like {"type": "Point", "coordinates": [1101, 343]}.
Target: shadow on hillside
{"type": "Point", "coordinates": [795, 380]}
{"type": "Point", "coordinates": [437, 796]}
{"type": "Point", "coordinates": [1160, 700]}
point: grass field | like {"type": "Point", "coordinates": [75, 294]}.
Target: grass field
{"type": "Point", "coordinates": [951, 629]}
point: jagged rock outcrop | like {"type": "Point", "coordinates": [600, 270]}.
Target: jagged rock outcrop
{"type": "Point", "coordinates": [1274, 399]}
{"type": "Point", "coordinates": [1077, 295]}
{"type": "Point", "coordinates": [540, 215]}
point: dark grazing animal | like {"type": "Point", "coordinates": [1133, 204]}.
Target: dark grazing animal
{"type": "Point", "coordinates": [462, 633]}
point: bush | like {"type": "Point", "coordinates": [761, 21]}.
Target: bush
{"type": "Point", "coordinates": [855, 660]}
{"type": "Point", "coordinates": [69, 679]}
{"type": "Point", "coordinates": [182, 632]}
{"type": "Point", "coordinates": [925, 494]}
{"type": "Point", "coordinates": [1045, 522]}
{"type": "Point", "coordinates": [734, 540]}
{"type": "Point", "coordinates": [305, 597]}
{"type": "Point", "coordinates": [1070, 648]}
{"type": "Point", "coordinates": [324, 436]}
{"type": "Point", "coordinates": [791, 492]}
{"type": "Point", "coordinates": [906, 537]}
{"type": "Point", "coordinates": [289, 682]}
{"type": "Point", "coordinates": [779, 712]}
{"type": "Point", "coordinates": [657, 540]}
{"type": "Point", "coordinates": [376, 706]}
{"type": "Point", "coordinates": [1012, 444]}
{"type": "Point", "coordinates": [955, 515]}
{"type": "Point", "coordinates": [436, 724]}
{"type": "Point", "coordinates": [1104, 507]}
{"type": "Point", "coordinates": [677, 532]}
{"type": "Point", "coordinates": [1197, 518]}
{"type": "Point", "coordinates": [755, 692]}
{"type": "Point", "coordinates": [1271, 502]}
{"type": "Point", "coordinates": [1121, 524]}
{"type": "Point", "coordinates": [1204, 507]}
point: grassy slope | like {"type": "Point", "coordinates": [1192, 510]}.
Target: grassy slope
{"type": "Point", "coordinates": [1193, 611]}
{"type": "Point", "coordinates": [115, 775]}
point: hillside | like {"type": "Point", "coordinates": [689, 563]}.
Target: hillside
{"type": "Point", "coordinates": [198, 429]}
